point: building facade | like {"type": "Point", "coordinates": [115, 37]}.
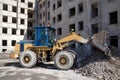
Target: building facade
{"type": "Point", "coordinates": [16, 18]}
{"type": "Point", "coordinates": [86, 17]}
{"type": "Point", "coordinates": [44, 12]}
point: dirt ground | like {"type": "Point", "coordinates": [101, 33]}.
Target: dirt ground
{"type": "Point", "coordinates": [11, 70]}
{"type": "Point", "coordinates": [96, 66]}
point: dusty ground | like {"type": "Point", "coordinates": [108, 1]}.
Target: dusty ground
{"type": "Point", "coordinates": [10, 70]}
{"type": "Point", "coordinates": [93, 67]}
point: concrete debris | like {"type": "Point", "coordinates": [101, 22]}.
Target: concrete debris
{"type": "Point", "coordinates": [99, 66]}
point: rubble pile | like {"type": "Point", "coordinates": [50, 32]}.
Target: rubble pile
{"type": "Point", "coordinates": [99, 66]}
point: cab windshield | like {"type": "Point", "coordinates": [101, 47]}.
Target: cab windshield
{"type": "Point", "coordinates": [44, 36]}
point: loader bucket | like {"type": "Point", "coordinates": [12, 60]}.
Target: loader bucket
{"type": "Point", "coordinates": [98, 40]}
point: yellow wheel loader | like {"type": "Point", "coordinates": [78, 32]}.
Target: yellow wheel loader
{"type": "Point", "coordinates": [44, 48]}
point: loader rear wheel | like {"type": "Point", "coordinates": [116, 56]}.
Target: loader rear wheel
{"type": "Point", "coordinates": [64, 60]}
{"type": "Point", "coordinates": [28, 59]}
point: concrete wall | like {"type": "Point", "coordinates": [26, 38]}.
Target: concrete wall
{"type": "Point", "coordinates": [104, 8]}
{"type": "Point", "coordinates": [9, 25]}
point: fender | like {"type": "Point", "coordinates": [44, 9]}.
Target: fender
{"type": "Point", "coordinates": [74, 54]}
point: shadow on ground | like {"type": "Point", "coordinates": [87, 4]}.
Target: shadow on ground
{"type": "Point", "coordinates": [14, 64]}
{"type": "Point", "coordinates": [97, 56]}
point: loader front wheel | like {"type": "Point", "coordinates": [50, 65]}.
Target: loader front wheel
{"type": "Point", "coordinates": [28, 59]}
{"type": "Point", "coordinates": [64, 60]}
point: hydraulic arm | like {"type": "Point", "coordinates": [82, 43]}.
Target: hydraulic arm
{"type": "Point", "coordinates": [98, 40]}
{"type": "Point", "coordinates": [60, 44]}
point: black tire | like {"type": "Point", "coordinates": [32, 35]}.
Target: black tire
{"type": "Point", "coordinates": [67, 63]}
{"type": "Point", "coordinates": [28, 59]}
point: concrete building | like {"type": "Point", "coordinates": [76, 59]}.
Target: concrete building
{"type": "Point", "coordinates": [16, 18]}
{"type": "Point", "coordinates": [44, 12]}
{"type": "Point", "coordinates": [86, 17]}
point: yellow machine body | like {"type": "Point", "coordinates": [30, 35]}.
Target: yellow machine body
{"type": "Point", "coordinates": [16, 52]}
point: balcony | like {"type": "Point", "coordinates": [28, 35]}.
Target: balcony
{"type": "Point", "coordinates": [30, 10]}
{"type": "Point", "coordinates": [30, 20]}
{"type": "Point", "coordinates": [30, 7]}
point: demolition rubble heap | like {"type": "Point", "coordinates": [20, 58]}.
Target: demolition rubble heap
{"type": "Point", "coordinates": [97, 65]}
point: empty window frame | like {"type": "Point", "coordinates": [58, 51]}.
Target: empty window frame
{"type": "Point", "coordinates": [14, 9]}
{"type": "Point", "coordinates": [72, 12]}
{"type": "Point", "coordinates": [80, 7]}
{"type": "Point", "coordinates": [72, 27]}
{"type": "Point", "coordinates": [41, 6]}
{"type": "Point", "coordinates": [30, 15]}
{"type": "Point", "coordinates": [3, 50]}
{"type": "Point", "coordinates": [59, 17]}
{"type": "Point", "coordinates": [43, 3]}
{"type": "Point", "coordinates": [30, 24]}
{"type": "Point", "coordinates": [22, 32]}
{"type": "Point", "coordinates": [54, 6]}
{"type": "Point", "coordinates": [48, 4]}
{"type": "Point", "coordinates": [5, 19]}
{"type": "Point", "coordinates": [59, 31]}
{"type": "Point", "coordinates": [22, 21]}
{"type": "Point", "coordinates": [13, 31]}
{"type": "Point", "coordinates": [23, 1]}
{"type": "Point", "coordinates": [48, 15]}
{"type": "Point", "coordinates": [5, 7]}
{"type": "Point", "coordinates": [14, 20]}
{"type": "Point", "coordinates": [113, 17]}
{"type": "Point", "coordinates": [54, 20]}
{"type": "Point", "coordinates": [29, 34]}
{"type": "Point", "coordinates": [4, 42]}
{"type": "Point", "coordinates": [80, 25]}
{"type": "Point", "coordinates": [40, 15]}
{"type": "Point", "coordinates": [95, 28]}
{"type": "Point", "coordinates": [113, 41]}
{"type": "Point", "coordinates": [40, 24]}
{"type": "Point", "coordinates": [4, 30]}
{"type": "Point", "coordinates": [59, 3]}
{"type": "Point", "coordinates": [44, 14]}
{"type": "Point", "coordinates": [30, 4]}
{"type": "Point", "coordinates": [94, 10]}
{"type": "Point", "coordinates": [22, 10]}
{"type": "Point", "coordinates": [13, 42]}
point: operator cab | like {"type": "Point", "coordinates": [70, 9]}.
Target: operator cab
{"type": "Point", "coordinates": [44, 36]}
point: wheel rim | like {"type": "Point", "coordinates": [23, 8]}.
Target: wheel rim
{"type": "Point", "coordinates": [63, 60]}
{"type": "Point", "coordinates": [26, 59]}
